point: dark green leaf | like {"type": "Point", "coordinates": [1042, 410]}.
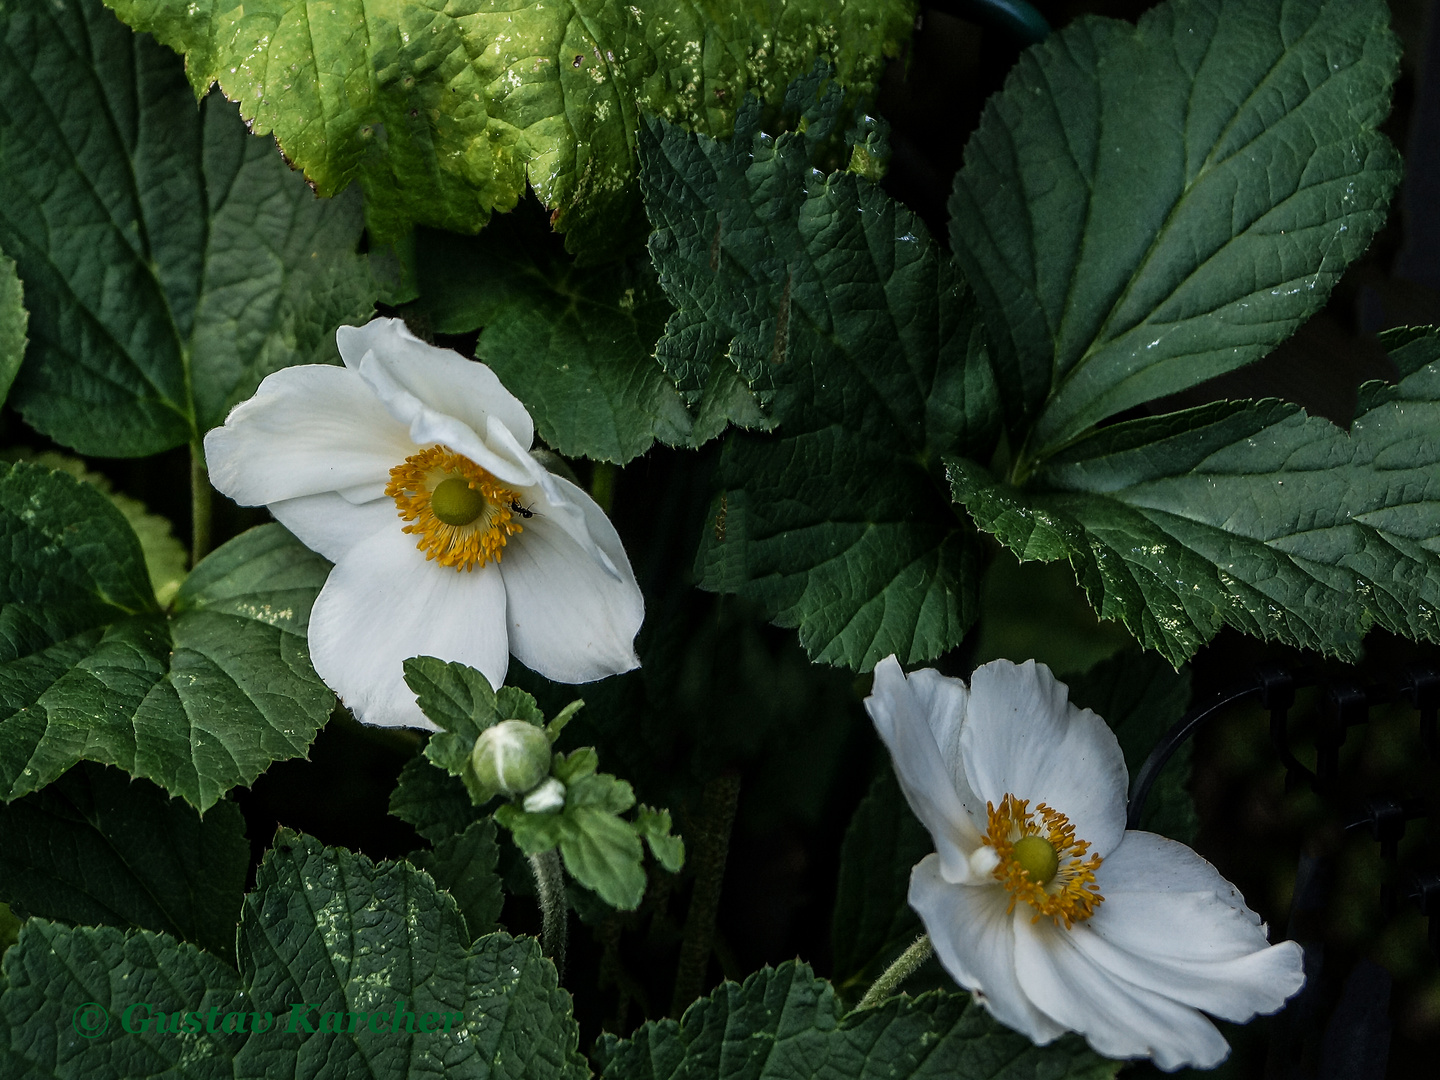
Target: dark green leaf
{"type": "Point", "coordinates": [56, 977]}
{"type": "Point", "coordinates": [199, 701]}
{"type": "Point", "coordinates": [464, 866]}
{"type": "Point", "coordinates": [96, 847]}
{"type": "Point", "coordinates": [165, 557]}
{"type": "Point", "coordinates": [576, 346]}
{"type": "Point", "coordinates": [328, 940]}
{"type": "Point", "coordinates": [1141, 697]}
{"type": "Point", "coordinates": [445, 114]}
{"type": "Point", "coordinates": [170, 260]}
{"type": "Point", "coordinates": [873, 922]}
{"type": "Point", "coordinates": [13, 320]}
{"type": "Point", "coordinates": [1145, 207]}
{"type": "Point", "coordinates": [835, 306]}
{"type": "Point", "coordinates": [845, 542]}
{"type": "Point", "coordinates": [1247, 514]}
{"type": "Point", "coordinates": [436, 803]}
{"type": "Point", "coordinates": [784, 1024]}
{"type": "Point", "coordinates": [327, 927]}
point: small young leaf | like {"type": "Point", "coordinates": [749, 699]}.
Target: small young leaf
{"type": "Point", "coordinates": [1144, 207]}
{"type": "Point", "coordinates": [654, 826]}
{"type": "Point", "coordinates": [96, 847]}
{"type": "Point", "coordinates": [785, 1024]}
{"type": "Point", "coordinates": [13, 320]}
{"type": "Point", "coordinates": [601, 850]}
{"type": "Point", "coordinates": [199, 701]}
{"type": "Point", "coordinates": [460, 700]}
{"type": "Point", "coordinates": [205, 262]}
{"type": "Point", "coordinates": [1245, 513]}
{"type": "Point", "coordinates": [455, 696]}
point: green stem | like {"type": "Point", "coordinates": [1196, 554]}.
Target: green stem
{"type": "Point", "coordinates": [554, 914]}
{"type": "Point", "coordinates": [711, 848]}
{"type": "Point", "coordinates": [199, 505]}
{"type": "Point", "coordinates": [891, 978]}
{"type": "Point", "coordinates": [602, 484]}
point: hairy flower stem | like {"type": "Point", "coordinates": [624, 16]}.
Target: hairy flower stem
{"type": "Point", "coordinates": [550, 888]}
{"type": "Point", "coordinates": [199, 504]}
{"type": "Point", "coordinates": [891, 978]}
{"type": "Point", "coordinates": [711, 847]}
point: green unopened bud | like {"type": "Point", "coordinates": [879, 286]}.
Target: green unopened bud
{"type": "Point", "coordinates": [512, 757]}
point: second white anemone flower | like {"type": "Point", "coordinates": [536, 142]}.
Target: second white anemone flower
{"type": "Point", "coordinates": [1039, 901]}
{"type": "Point", "coordinates": [409, 469]}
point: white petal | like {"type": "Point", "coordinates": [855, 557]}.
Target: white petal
{"type": "Point", "coordinates": [426, 425]}
{"type": "Point", "coordinates": [573, 616]}
{"type": "Point", "coordinates": [331, 524]}
{"type": "Point", "coordinates": [1170, 924]}
{"type": "Point", "coordinates": [308, 429]}
{"type": "Point", "coordinates": [1022, 737]}
{"type": "Point", "coordinates": [382, 604]}
{"type": "Point", "coordinates": [903, 710]}
{"type": "Point", "coordinates": [1117, 1019]}
{"type": "Point", "coordinates": [974, 938]}
{"type": "Point", "coordinates": [441, 378]}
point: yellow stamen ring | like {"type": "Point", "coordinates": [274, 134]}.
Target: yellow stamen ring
{"type": "Point", "coordinates": [460, 512]}
{"type": "Point", "coordinates": [1041, 862]}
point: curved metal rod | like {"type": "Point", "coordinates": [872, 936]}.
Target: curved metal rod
{"type": "Point", "coordinates": [1181, 730]}
{"type": "Point", "coordinates": [1013, 17]}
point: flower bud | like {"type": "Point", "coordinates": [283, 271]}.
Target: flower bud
{"type": "Point", "coordinates": [512, 757]}
{"type": "Point", "coordinates": [548, 798]}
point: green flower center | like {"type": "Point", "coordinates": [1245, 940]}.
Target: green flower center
{"type": "Point", "coordinates": [1037, 858]}
{"type": "Point", "coordinates": [455, 502]}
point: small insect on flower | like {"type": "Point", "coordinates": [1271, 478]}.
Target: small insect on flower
{"type": "Point", "coordinates": [1039, 901]}
{"type": "Point", "coordinates": [410, 469]}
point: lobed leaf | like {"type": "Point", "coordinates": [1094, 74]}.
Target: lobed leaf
{"type": "Point", "coordinates": [444, 114]}
{"type": "Point", "coordinates": [1144, 207]}
{"type": "Point", "coordinates": [832, 303]}
{"type": "Point", "coordinates": [198, 701]}
{"type": "Point", "coordinates": [170, 260]}
{"type": "Point", "coordinates": [464, 866]}
{"type": "Point", "coordinates": [1248, 514]}
{"type": "Point", "coordinates": [96, 847]}
{"type": "Point", "coordinates": [576, 345]}
{"type": "Point", "coordinates": [333, 949]}
{"type": "Point", "coordinates": [784, 1024]}
{"type": "Point", "coordinates": [436, 803]}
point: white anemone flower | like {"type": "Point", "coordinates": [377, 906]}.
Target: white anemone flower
{"type": "Point", "coordinates": [1039, 901]}
{"type": "Point", "coordinates": [409, 469]}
